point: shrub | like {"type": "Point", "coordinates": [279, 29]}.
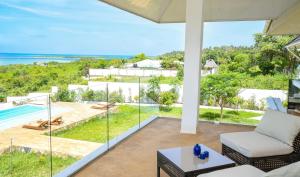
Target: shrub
{"type": "Point", "coordinates": [87, 95]}
{"type": "Point", "coordinates": [100, 96]}
{"type": "Point", "coordinates": [64, 95]}
{"type": "Point", "coordinates": [250, 104]}
{"type": "Point", "coordinates": [166, 99]}
{"type": "Point", "coordinates": [116, 97]}
{"type": "Point", "coordinates": [2, 98]}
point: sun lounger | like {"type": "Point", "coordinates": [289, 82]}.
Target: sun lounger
{"type": "Point", "coordinates": [103, 106]}
{"type": "Point", "coordinates": [39, 126]}
{"type": "Point", "coordinates": [55, 121]}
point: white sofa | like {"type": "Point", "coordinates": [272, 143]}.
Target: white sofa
{"type": "Point", "coordinates": [292, 170]}
{"type": "Point", "coordinates": [273, 137]}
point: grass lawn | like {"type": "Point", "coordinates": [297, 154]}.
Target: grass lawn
{"type": "Point", "coordinates": [95, 130]}
{"type": "Point", "coordinates": [31, 164]}
{"type": "Point", "coordinates": [229, 116]}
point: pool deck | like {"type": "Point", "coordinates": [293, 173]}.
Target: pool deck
{"type": "Point", "coordinates": [39, 142]}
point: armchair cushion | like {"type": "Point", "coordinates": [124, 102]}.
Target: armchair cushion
{"type": "Point", "coordinates": [253, 144]}
{"type": "Point", "coordinates": [279, 125]}
{"type": "Point", "coordinates": [240, 171]}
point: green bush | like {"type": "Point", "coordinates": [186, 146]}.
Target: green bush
{"type": "Point", "coordinates": [116, 97]}
{"type": "Point", "coordinates": [64, 95]}
{"type": "Point", "coordinates": [2, 98]}
{"type": "Point", "coordinates": [87, 95]}
{"type": "Point", "coordinates": [250, 104]}
{"type": "Point", "coordinates": [166, 99]}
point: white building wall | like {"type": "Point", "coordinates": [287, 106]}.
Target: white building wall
{"type": "Point", "coordinates": [132, 72]}
{"type": "Point", "coordinates": [130, 90]}
{"type": "Point", "coordinates": [261, 95]}
{"type": "Point", "coordinates": [34, 97]}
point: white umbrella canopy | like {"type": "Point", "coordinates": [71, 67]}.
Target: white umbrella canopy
{"type": "Point", "coordinates": [173, 11]}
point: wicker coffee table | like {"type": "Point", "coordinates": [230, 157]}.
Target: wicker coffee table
{"type": "Point", "coordinates": [181, 162]}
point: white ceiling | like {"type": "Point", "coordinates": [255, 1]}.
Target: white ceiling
{"type": "Point", "coordinates": [279, 13]}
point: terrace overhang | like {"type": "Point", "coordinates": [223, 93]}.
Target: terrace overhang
{"type": "Point", "coordinates": [287, 23]}
{"type": "Point", "coordinates": [281, 17]}
{"type": "Point", "coordinates": [174, 11]}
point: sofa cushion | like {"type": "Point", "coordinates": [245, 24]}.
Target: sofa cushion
{"type": "Point", "coordinates": [279, 125]}
{"type": "Point", "coordinates": [240, 171]}
{"type": "Point", "coordinates": [292, 170]}
{"type": "Point", "coordinates": [253, 144]}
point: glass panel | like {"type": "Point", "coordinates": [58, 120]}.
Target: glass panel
{"type": "Point", "coordinates": [6, 157]}
{"type": "Point", "coordinates": [24, 147]}
{"type": "Point", "coordinates": [236, 110]}
{"type": "Point", "coordinates": [124, 112]}
{"type": "Point", "coordinates": [80, 128]}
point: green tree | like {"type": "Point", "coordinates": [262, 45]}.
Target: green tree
{"type": "Point", "coordinates": [222, 87]}
{"type": "Point", "coordinates": [153, 89]}
{"type": "Point", "coordinates": [169, 64]}
{"type": "Point", "coordinates": [271, 54]}
{"type": "Point", "coordinates": [139, 57]}
{"type": "Point", "coordinates": [180, 73]}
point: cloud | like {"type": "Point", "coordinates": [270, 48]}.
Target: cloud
{"type": "Point", "coordinates": [32, 10]}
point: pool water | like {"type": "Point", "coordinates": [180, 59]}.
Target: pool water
{"type": "Point", "coordinates": [19, 111]}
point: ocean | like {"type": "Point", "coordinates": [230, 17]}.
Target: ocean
{"type": "Point", "coordinates": [21, 58]}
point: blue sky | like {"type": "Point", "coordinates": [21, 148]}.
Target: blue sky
{"type": "Point", "coordinates": [91, 27]}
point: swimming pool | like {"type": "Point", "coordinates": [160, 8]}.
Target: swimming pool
{"type": "Point", "coordinates": [19, 111]}
{"type": "Point", "coordinates": [25, 114]}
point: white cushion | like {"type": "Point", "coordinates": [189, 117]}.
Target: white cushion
{"type": "Point", "coordinates": [292, 170]}
{"type": "Point", "coordinates": [279, 125]}
{"type": "Point", "coordinates": [240, 171]}
{"type": "Point", "coordinates": [253, 144]}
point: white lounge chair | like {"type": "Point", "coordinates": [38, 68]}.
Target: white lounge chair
{"type": "Point", "coordinates": [292, 170]}
{"type": "Point", "coordinates": [274, 143]}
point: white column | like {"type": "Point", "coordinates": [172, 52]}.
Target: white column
{"type": "Point", "coordinates": [192, 65]}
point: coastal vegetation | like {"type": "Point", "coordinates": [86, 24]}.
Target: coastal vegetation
{"type": "Point", "coordinates": [265, 65]}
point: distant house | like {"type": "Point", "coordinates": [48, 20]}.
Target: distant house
{"type": "Point", "coordinates": [211, 66]}
{"type": "Point", "coordinates": [145, 64]}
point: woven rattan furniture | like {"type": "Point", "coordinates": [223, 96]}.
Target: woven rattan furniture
{"type": "Point", "coordinates": [265, 163]}
{"type": "Point", "coordinates": [181, 162]}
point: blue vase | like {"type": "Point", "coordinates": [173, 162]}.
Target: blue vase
{"type": "Point", "coordinates": [197, 150]}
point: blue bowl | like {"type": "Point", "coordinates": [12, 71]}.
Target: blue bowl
{"type": "Point", "coordinates": [202, 156]}
{"type": "Point", "coordinates": [206, 153]}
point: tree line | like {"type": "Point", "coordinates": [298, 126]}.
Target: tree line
{"type": "Point", "coordinates": [265, 65]}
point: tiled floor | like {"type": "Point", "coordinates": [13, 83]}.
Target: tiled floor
{"type": "Point", "coordinates": [136, 156]}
